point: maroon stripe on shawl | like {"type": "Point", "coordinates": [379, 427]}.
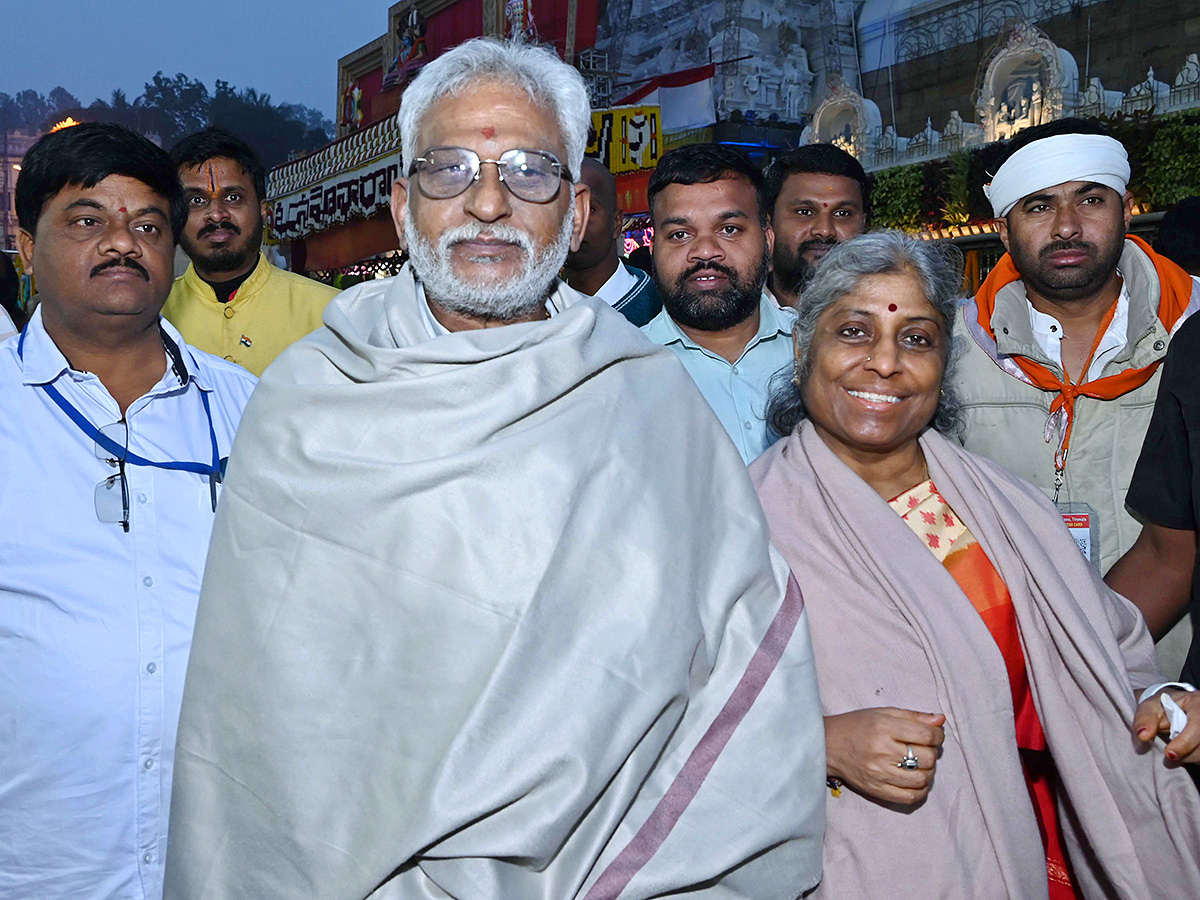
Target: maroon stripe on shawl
{"type": "Point", "coordinates": [650, 837]}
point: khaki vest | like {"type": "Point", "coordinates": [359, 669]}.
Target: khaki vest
{"type": "Point", "coordinates": [1006, 417]}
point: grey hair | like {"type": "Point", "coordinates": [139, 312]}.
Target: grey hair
{"type": "Point", "coordinates": [938, 269]}
{"type": "Point", "coordinates": [543, 77]}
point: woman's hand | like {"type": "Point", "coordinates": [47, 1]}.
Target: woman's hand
{"type": "Point", "coordinates": [1150, 721]}
{"type": "Point", "coordinates": [863, 749]}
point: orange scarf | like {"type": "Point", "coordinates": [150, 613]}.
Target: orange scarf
{"type": "Point", "coordinates": [1175, 291]}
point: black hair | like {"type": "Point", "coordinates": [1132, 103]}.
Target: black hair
{"type": "Point", "coordinates": [85, 155]}
{"type": "Point", "coordinates": [704, 164]}
{"type": "Point", "coordinates": [1072, 125]}
{"type": "Point", "coordinates": [10, 289]}
{"type": "Point", "coordinates": [213, 143]}
{"type": "Point", "coordinates": [820, 159]}
{"type": "Point", "coordinates": [1179, 234]}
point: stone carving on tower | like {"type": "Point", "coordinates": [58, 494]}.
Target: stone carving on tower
{"type": "Point", "coordinates": [764, 70]}
{"type": "Point", "coordinates": [1026, 80]}
{"type": "Point", "coordinates": [846, 120]}
{"type": "Point", "coordinates": [1149, 94]}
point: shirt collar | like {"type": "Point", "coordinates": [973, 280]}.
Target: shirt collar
{"type": "Point", "coordinates": [43, 363]}
{"type": "Point", "coordinates": [619, 283]}
{"type": "Point", "coordinates": [772, 320]}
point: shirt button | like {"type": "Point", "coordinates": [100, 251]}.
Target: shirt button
{"type": "Point", "coordinates": [228, 313]}
{"type": "Point", "coordinates": [1158, 345]}
{"type": "Point", "coordinates": [735, 370]}
{"type": "Point", "coordinates": [141, 498]}
{"type": "Point", "coordinates": [147, 857]}
{"type": "Point", "coordinates": [1053, 328]}
{"type": "Point", "coordinates": [149, 764]}
{"type": "Point", "coordinates": [151, 668]}
{"type": "Point", "coordinates": [1005, 331]}
{"type": "Point", "coordinates": [148, 581]}
{"type": "Point", "coordinates": [748, 425]}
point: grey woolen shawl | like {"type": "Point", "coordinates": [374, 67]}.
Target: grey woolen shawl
{"type": "Point", "coordinates": [492, 615]}
{"type": "Point", "coordinates": [891, 627]}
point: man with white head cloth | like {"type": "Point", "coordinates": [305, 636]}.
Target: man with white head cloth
{"type": "Point", "coordinates": [1065, 338]}
{"type": "Point", "coordinates": [491, 610]}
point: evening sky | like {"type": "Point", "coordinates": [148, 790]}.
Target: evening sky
{"type": "Point", "coordinates": [286, 49]}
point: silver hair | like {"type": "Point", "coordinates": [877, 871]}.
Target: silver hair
{"type": "Point", "coordinates": [543, 77]}
{"type": "Point", "coordinates": [938, 269]}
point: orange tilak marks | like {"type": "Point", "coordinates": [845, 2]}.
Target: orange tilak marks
{"type": "Point", "coordinates": [212, 179]}
{"type": "Point", "coordinates": [489, 132]}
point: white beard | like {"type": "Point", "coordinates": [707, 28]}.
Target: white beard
{"type": "Point", "coordinates": [522, 296]}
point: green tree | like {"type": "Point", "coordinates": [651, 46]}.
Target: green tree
{"type": "Point", "coordinates": [179, 105]}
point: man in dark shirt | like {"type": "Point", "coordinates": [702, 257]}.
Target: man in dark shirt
{"type": "Point", "coordinates": [1159, 573]}
{"type": "Point", "coordinates": [596, 268]}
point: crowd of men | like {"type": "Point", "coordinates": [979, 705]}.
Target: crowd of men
{"type": "Point", "coordinates": [480, 603]}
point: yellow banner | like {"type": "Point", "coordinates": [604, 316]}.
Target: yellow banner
{"type": "Point", "coordinates": [626, 138]}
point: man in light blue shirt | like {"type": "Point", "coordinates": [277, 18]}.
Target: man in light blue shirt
{"type": "Point", "coordinates": [711, 250]}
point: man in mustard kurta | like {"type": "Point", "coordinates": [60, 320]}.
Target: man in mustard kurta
{"type": "Point", "coordinates": [231, 301]}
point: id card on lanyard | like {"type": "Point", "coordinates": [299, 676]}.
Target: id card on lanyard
{"type": "Point", "coordinates": [1083, 523]}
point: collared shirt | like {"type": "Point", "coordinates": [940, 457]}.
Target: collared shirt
{"type": "Point", "coordinates": [96, 622]}
{"type": "Point", "coordinates": [632, 293]}
{"type": "Point", "coordinates": [7, 326]}
{"type": "Point", "coordinates": [272, 310]}
{"type": "Point", "coordinates": [1048, 335]}
{"type": "Point", "coordinates": [737, 392]}
{"type": "Point", "coordinates": [619, 283]}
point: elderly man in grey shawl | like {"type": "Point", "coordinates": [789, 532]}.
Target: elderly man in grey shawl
{"type": "Point", "coordinates": [491, 610]}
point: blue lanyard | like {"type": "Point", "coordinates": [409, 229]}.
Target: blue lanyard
{"type": "Point", "coordinates": [212, 470]}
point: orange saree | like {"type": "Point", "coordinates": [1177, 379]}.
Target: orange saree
{"type": "Point", "coordinates": [926, 512]}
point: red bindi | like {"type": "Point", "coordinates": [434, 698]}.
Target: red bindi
{"type": "Point", "coordinates": [488, 132]}
{"type": "Point", "coordinates": [892, 307]}
{"type": "Point", "coordinates": [122, 209]}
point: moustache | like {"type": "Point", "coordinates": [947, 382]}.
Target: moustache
{"type": "Point", "coordinates": [729, 273]}
{"type": "Point", "coordinates": [507, 234]}
{"type": "Point", "coordinates": [1057, 246]}
{"type": "Point", "coordinates": [815, 242]}
{"type": "Point", "coordinates": [214, 227]}
{"type": "Point", "coordinates": [125, 262]}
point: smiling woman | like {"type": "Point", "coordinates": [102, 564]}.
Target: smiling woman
{"type": "Point", "coordinates": [945, 596]}
{"type": "Point", "coordinates": [884, 300]}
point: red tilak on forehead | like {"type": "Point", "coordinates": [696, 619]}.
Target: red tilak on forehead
{"type": "Point", "coordinates": [212, 178]}
{"type": "Point", "coordinates": [489, 132]}
{"type": "Point", "coordinates": [892, 307]}
{"type": "Point", "coordinates": [122, 209]}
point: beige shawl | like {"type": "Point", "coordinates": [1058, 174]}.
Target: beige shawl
{"type": "Point", "coordinates": [492, 615]}
{"type": "Point", "coordinates": [890, 627]}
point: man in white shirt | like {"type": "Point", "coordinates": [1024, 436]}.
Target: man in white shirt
{"type": "Point", "coordinates": [470, 630]}
{"type": "Point", "coordinates": [113, 436]}
{"type": "Point", "coordinates": [596, 268]}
